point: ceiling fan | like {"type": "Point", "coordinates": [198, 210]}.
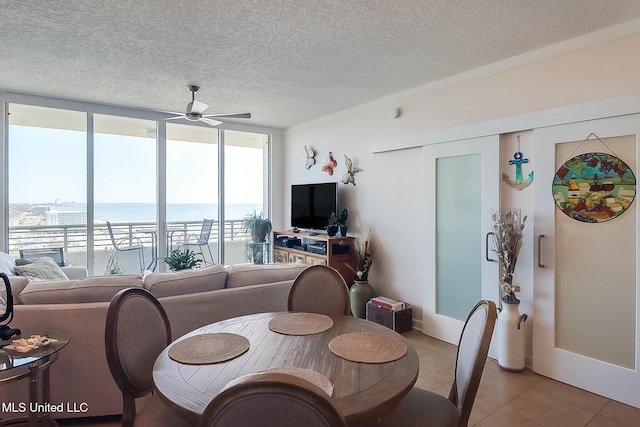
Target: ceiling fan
{"type": "Point", "coordinates": [196, 108]}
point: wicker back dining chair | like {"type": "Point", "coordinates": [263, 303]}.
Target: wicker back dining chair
{"type": "Point", "coordinates": [137, 330]}
{"type": "Point", "coordinates": [272, 399]}
{"type": "Point", "coordinates": [427, 409]}
{"type": "Point", "coordinates": [320, 289]}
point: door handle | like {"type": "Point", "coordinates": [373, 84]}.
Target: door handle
{"type": "Point", "coordinates": [486, 247]}
{"type": "Point", "coordinates": [540, 264]}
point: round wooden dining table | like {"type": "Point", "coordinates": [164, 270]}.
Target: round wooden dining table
{"type": "Point", "coordinates": [360, 390]}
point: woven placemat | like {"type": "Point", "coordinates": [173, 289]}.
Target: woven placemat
{"type": "Point", "coordinates": [367, 347]}
{"type": "Point", "coordinates": [313, 377]}
{"type": "Point", "coordinates": [209, 348]}
{"type": "Point", "coordinates": [300, 323]}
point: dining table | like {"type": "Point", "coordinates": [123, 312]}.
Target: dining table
{"type": "Point", "coordinates": [365, 367]}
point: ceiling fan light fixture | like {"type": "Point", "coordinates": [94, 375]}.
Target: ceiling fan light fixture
{"type": "Point", "coordinates": [196, 108]}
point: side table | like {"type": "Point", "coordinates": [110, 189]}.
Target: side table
{"type": "Point", "coordinates": [38, 361]}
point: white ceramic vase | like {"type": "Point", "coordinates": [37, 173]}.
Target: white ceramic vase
{"type": "Point", "coordinates": [511, 336]}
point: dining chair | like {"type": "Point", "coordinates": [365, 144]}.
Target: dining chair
{"type": "Point", "coordinates": [201, 240]}
{"type": "Point", "coordinates": [319, 289]}
{"type": "Point", "coordinates": [137, 330]}
{"type": "Point", "coordinates": [271, 399]}
{"type": "Point", "coordinates": [125, 244]}
{"type": "Point", "coordinates": [427, 409]}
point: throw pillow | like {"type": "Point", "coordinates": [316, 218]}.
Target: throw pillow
{"type": "Point", "coordinates": [42, 268]}
{"type": "Point", "coordinates": [7, 262]}
{"type": "Point", "coordinates": [23, 261]}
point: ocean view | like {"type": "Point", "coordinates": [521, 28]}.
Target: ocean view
{"type": "Point", "coordinates": [146, 212]}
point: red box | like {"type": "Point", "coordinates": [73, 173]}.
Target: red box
{"type": "Point", "coordinates": [399, 320]}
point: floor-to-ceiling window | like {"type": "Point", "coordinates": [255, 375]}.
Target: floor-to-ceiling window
{"type": "Point", "coordinates": [124, 165]}
{"type": "Point", "coordinates": [47, 180]}
{"type": "Point", "coordinates": [245, 162]}
{"type": "Point", "coordinates": [192, 189]}
{"type": "Point", "coordinates": [71, 172]}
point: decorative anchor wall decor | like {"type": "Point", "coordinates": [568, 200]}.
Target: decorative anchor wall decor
{"type": "Point", "coordinates": [518, 160]}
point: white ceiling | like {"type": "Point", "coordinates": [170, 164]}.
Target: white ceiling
{"type": "Point", "coordinates": [285, 61]}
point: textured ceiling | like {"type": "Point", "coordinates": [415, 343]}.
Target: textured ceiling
{"type": "Point", "coordinates": [285, 61]}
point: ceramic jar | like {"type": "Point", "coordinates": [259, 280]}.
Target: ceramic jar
{"type": "Point", "coordinates": [360, 293]}
{"type": "Point", "coordinates": [511, 337]}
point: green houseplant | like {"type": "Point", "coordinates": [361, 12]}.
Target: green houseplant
{"type": "Point", "coordinates": [182, 260]}
{"type": "Point", "coordinates": [342, 222]}
{"type": "Point", "coordinates": [258, 228]}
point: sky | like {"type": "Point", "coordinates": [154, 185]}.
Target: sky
{"type": "Point", "coordinates": [48, 164]}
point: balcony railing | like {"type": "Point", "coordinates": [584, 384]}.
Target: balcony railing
{"type": "Point", "coordinates": [73, 238]}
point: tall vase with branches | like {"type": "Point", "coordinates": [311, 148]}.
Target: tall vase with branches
{"type": "Point", "coordinates": [361, 291]}
{"type": "Point", "coordinates": [508, 229]}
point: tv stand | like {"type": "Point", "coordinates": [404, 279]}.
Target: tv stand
{"type": "Point", "coordinates": [317, 248]}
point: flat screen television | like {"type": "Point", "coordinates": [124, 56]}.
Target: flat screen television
{"type": "Point", "coordinates": [312, 204]}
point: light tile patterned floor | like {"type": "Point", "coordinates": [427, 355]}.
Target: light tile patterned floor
{"type": "Point", "coordinates": [523, 399]}
{"type": "Point", "coordinates": [505, 399]}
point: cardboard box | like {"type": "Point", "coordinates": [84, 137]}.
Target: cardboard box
{"type": "Point", "coordinates": [400, 320]}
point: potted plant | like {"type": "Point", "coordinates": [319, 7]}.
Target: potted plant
{"type": "Point", "coordinates": [332, 226]}
{"type": "Point", "coordinates": [258, 228]}
{"type": "Point", "coordinates": [182, 260]}
{"type": "Point", "coordinates": [342, 222]}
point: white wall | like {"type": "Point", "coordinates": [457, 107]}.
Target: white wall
{"type": "Point", "coordinates": [389, 191]}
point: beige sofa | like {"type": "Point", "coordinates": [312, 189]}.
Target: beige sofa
{"type": "Point", "coordinates": [191, 298]}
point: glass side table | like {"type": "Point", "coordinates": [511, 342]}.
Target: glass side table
{"type": "Point", "coordinates": [38, 362]}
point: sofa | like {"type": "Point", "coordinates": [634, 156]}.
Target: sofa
{"type": "Point", "coordinates": [45, 265]}
{"type": "Point", "coordinates": [191, 298]}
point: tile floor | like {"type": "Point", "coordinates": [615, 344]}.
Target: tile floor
{"type": "Point", "coordinates": [504, 399]}
{"type": "Point", "coordinates": [523, 399]}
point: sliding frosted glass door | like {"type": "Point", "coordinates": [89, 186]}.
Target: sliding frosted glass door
{"type": "Point", "coordinates": [585, 323]}
{"type": "Point", "coordinates": [462, 184]}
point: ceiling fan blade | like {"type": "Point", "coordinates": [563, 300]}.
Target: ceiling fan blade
{"type": "Point", "coordinates": [231, 116]}
{"type": "Point", "coordinates": [181, 116]}
{"type": "Point", "coordinates": [210, 122]}
{"type": "Point", "coordinates": [196, 107]}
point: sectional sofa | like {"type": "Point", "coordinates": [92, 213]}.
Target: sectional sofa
{"type": "Point", "coordinates": [192, 298]}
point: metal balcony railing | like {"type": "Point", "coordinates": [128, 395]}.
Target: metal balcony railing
{"type": "Point", "coordinates": [73, 238]}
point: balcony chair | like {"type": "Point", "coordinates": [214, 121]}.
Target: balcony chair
{"type": "Point", "coordinates": [424, 408]}
{"type": "Point", "coordinates": [136, 331]}
{"type": "Point", "coordinates": [320, 289]}
{"type": "Point", "coordinates": [119, 245]}
{"type": "Point", "coordinates": [201, 240]}
{"type": "Point", "coordinates": [272, 399]}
